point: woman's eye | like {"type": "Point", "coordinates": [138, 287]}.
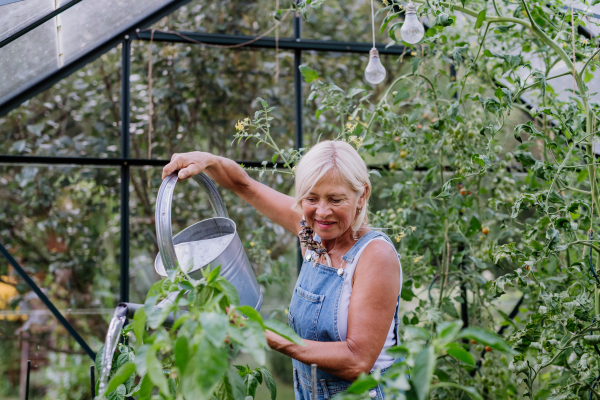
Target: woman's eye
{"type": "Point", "coordinates": [310, 199]}
{"type": "Point", "coordinates": [336, 201]}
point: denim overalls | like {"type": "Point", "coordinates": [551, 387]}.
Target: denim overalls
{"type": "Point", "coordinates": [313, 316]}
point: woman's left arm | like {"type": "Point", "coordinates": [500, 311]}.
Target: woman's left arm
{"type": "Point", "coordinates": [372, 306]}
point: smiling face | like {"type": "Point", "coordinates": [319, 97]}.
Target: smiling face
{"type": "Point", "coordinates": [330, 207]}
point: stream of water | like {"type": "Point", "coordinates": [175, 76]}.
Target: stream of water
{"type": "Point", "coordinates": [110, 345]}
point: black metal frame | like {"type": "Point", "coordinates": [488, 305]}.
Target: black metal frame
{"type": "Point", "coordinates": [125, 37]}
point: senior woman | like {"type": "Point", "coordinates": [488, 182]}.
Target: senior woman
{"type": "Point", "coordinates": [345, 303]}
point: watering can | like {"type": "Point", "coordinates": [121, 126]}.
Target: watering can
{"type": "Point", "coordinates": [214, 241]}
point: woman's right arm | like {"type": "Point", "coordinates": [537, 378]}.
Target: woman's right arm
{"type": "Point", "coordinates": [228, 174]}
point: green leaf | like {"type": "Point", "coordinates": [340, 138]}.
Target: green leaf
{"type": "Point", "coordinates": [213, 274]}
{"type": "Point", "coordinates": [145, 390]}
{"type": "Point", "coordinates": [215, 327]}
{"type": "Point", "coordinates": [251, 385]}
{"type": "Point", "coordinates": [482, 160]}
{"type": "Point", "coordinates": [119, 377]}
{"type": "Point", "coordinates": [118, 393]}
{"type": "Point", "coordinates": [308, 73]}
{"type": "Point", "coordinates": [460, 354]}
{"type": "Point", "coordinates": [417, 331]}
{"type": "Point", "coordinates": [467, 389]}
{"type": "Point", "coordinates": [270, 382]}
{"type": "Point", "coordinates": [414, 63]}
{"type": "Point", "coordinates": [139, 325]}
{"type": "Point", "coordinates": [252, 314]}
{"type": "Point", "coordinates": [525, 158]}
{"type": "Point", "coordinates": [423, 372]}
{"type": "Point", "coordinates": [459, 53]}
{"type": "Point", "coordinates": [443, 20]}
{"type": "Point", "coordinates": [182, 353]}
{"type": "Point", "coordinates": [448, 308]}
{"type": "Point", "coordinates": [486, 337]}
{"type": "Point", "coordinates": [363, 383]}
{"type": "Point", "coordinates": [283, 330]}
{"type": "Point", "coordinates": [401, 95]}
{"type": "Point", "coordinates": [155, 370]}
{"type": "Point", "coordinates": [206, 368]}
{"type": "Point", "coordinates": [449, 329]}
{"type": "Point", "coordinates": [480, 19]}
{"type": "Point", "coordinates": [230, 291]}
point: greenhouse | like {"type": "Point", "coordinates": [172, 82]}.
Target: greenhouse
{"type": "Point", "coordinates": [317, 134]}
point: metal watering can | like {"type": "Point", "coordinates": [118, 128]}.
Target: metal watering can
{"type": "Point", "coordinates": [213, 241]}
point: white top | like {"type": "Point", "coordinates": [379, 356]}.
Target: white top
{"type": "Point", "coordinates": [384, 360]}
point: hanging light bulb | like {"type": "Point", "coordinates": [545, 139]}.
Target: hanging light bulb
{"type": "Point", "coordinates": [374, 73]}
{"type": "Point", "coordinates": [412, 30]}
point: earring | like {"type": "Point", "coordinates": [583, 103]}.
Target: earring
{"type": "Point", "coordinates": [358, 210]}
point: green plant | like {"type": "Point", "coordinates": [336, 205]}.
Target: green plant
{"type": "Point", "coordinates": [193, 359]}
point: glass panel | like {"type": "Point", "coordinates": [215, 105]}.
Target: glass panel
{"type": "Point", "coordinates": [79, 116]}
{"type": "Point", "coordinates": [230, 17]}
{"type": "Point", "coordinates": [16, 16]}
{"type": "Point", "coordinates": [23, 61]}
{"type": "Point", "coordinates": [91, 23]}
{"type": "Point", "coordinates": [200, 93]}
{"type": "Point", "coordinates": [62, 226]}
{"type": "Point", "coordinates": [346, 21]}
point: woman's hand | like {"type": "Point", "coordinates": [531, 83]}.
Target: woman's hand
{"type": "Point", "coordinates": [188, 164]}
{"type": "Point", "coordinates": [228, 174]}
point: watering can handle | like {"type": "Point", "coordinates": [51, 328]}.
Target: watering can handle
{"type": "Point", "coordinates": [164, 201]}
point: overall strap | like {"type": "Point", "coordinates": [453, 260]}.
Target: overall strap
{"type": "Point", "coordinates": [349, 256]}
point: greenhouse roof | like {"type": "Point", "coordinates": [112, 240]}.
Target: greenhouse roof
{"type": "Point", "coordinates": [42, 41]}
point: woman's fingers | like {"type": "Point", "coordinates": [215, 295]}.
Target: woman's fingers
{"type": "Point", "coordinates": [173, 166]}
{"type": "Point", "coordinates": [188, 164]}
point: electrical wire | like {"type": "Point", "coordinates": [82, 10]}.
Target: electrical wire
{"type": "Point", "coordinates": [373, 22]}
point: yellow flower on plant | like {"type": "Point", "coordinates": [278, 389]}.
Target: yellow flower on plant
{"type": "Point", "coordinates": [287, 311]}
{"type": "Point", "coordinates": [268, 251]}
{"type": "Point", "coordinates": [417, 259]}
{"type": "Point", "coordinates": [251, 244]}
{"type": "Point", "coordinates": [564, 45]}
{"type": "Point", "coordinates": [239, 126]}
{"type": "Point", "coordinates": [414, 228]}
{"type": "Point", "coordinates": [399, 236]}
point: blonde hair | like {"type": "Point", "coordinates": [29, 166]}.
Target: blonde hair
{"type": "Point", "coordinates": [340, 158]}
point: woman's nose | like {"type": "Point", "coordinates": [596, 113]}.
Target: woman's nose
{"type": "Point", "coordinates": [323, 209]}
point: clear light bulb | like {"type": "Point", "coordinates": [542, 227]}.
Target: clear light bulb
{"type": "Point", "coordinates": [374, 73]}
{"type": "Point", "coordinates": [412, 30]}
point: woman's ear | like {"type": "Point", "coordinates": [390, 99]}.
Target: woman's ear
{"type": "Point", "coordinates": [363, 197]}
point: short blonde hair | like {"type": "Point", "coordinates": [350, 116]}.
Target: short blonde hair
{"type": "Point", "coordinates": [340, 158]}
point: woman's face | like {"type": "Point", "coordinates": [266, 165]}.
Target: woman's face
{"type": "Point", "coordinates": [330, 207]}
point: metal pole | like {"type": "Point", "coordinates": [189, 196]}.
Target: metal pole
{"type": "Point", "coordinates": [47, 302]}
{"type": "Point", "coordinates": [93, 383]}
{"type": "Point", "coordinates": [298, 100]}
{"type": "Point", "coordinates": [27, 385]}
{"type": "Point", "coordinates": [313, 378]}
{"type": "Point", "coordinates": [125, 118]}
